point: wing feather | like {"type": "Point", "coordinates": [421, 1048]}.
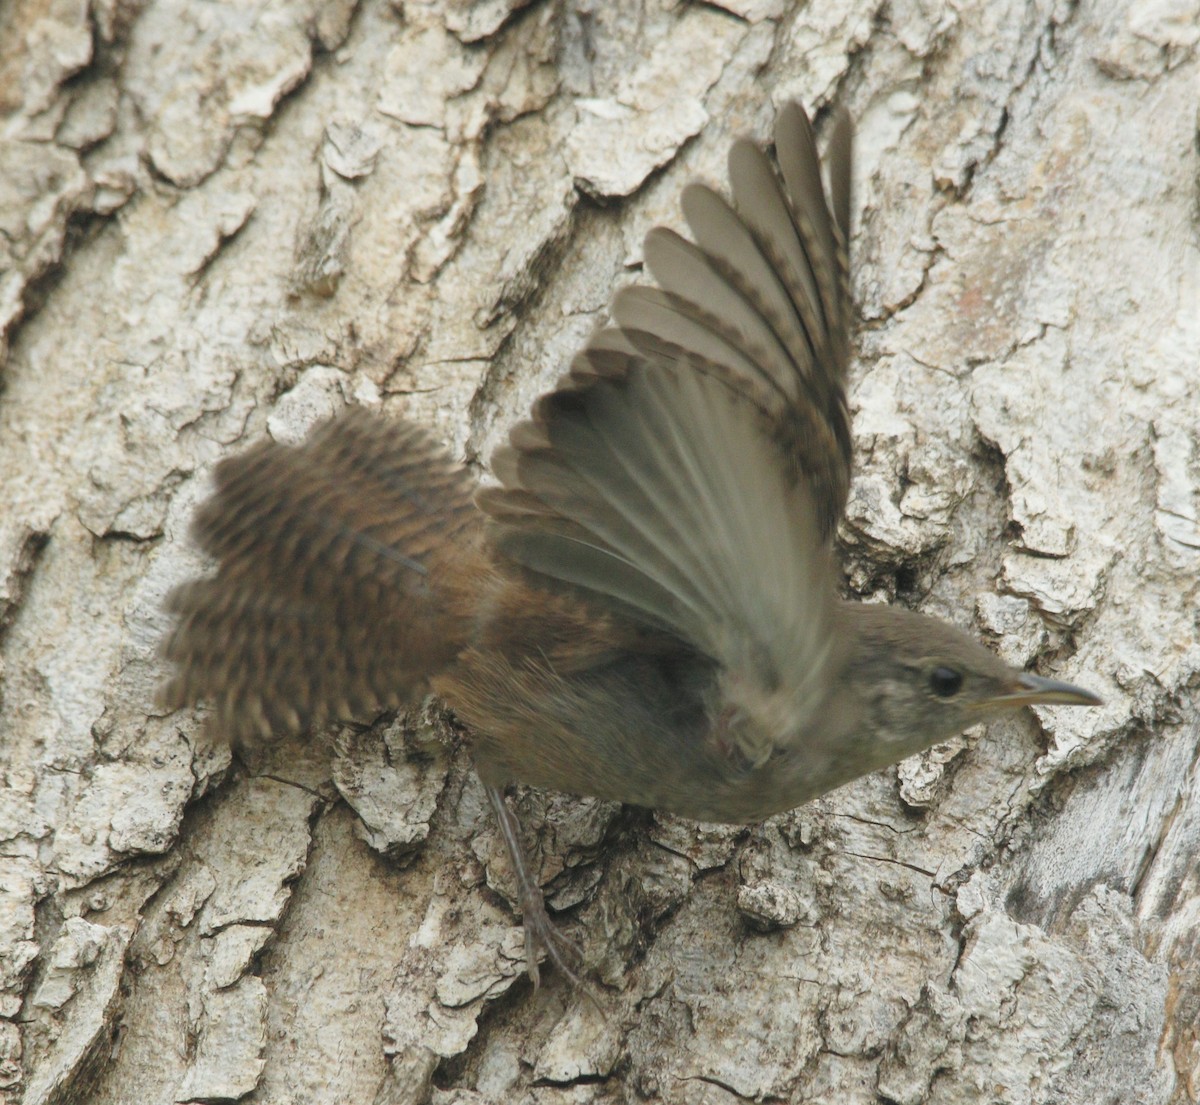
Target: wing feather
{"type": "Point", "coordinates": [732, 557]}
{"type": "Point", "coordinates": [692, 465]}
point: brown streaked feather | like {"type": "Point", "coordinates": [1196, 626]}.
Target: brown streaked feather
{"type": "Point", "coordinates": [762, 205]}
{"type": "Point", "coordinates": [328, 598]}
{"type": "Point", "coordinates": [666, 496]}
{"type": "Point", "coordinates": [823, 236]}
{"type": "Point", "coordinates": [694, 285]}
{"type": "Point", "coordinates": [839, 158]}
{"type": "Point", "coordinates": [808, 440]}
{"type": "Point", "coordinates": [692, 466]}
{"type": "Point", "coordinates": [654, 320]}
{"type": "Point", "coordinates": [731, 245]}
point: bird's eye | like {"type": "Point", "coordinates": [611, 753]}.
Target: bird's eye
{"type": "Point", "coordinates": [945, 682]}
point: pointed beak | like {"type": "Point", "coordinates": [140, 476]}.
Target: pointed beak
{"type": "Point", "coordinates": [1032, 690]}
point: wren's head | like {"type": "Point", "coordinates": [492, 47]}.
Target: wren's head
{"type": "Point", "coordinates": [925, 681]}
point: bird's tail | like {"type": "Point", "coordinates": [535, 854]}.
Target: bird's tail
{"type": "Point", "coordinates": [327, 599]}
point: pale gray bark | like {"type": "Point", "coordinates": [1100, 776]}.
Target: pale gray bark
{"type": "Point", "coordinates": [220, 220]}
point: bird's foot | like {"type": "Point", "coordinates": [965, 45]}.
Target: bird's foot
{"type": "Point", "coordinates": [541, 933]}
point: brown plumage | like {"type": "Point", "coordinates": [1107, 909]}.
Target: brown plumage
{"type": "Point", "coordinates": [645, 608]}
{"type": "Point", "coordinates": [328, 599]}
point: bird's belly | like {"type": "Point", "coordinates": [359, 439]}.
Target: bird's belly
{"type": "Point", "coordinates": [628, 731]}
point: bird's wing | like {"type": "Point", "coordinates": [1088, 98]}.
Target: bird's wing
{"type": "Point", "coordinates": [326, 600]}
{"type": "Point", "coordinates": [693, 464]}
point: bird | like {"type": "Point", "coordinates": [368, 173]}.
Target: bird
{"type": "Point", "coordinates": [645, 605]}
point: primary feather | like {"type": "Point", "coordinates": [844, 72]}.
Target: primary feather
{"type": "Point", "coordinates": [692, 466]}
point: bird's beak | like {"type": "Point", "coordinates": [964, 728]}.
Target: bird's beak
{"type": "Point", "coordinates": [1032, 690]}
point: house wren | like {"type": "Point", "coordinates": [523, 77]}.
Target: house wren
{"type": "Point", "coordinates": [646, 608]}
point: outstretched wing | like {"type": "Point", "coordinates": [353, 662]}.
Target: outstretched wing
{"type": "Point", "coordinates": [326, 599]}
{"type": "Point", "coordinates": [693, 464]}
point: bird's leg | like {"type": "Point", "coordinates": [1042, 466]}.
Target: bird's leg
{"type": "Point", "coordinates": [540, 931]}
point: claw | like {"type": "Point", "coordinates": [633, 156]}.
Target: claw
{"type": "Point", "coordinates": [541, 933]}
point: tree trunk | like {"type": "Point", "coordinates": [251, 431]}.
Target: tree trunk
{"type": "Point", "coordinates": [223, 221]}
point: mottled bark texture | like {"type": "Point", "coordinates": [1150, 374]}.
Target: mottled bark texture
{"type": "Point", "coordinates": [223, 221]}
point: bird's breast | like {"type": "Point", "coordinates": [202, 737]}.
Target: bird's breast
{"type": "Point", "coordinates": [648, 731]}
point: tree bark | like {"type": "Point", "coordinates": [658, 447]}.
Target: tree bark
{"type": "Point", "coordinates": [225, 221]}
